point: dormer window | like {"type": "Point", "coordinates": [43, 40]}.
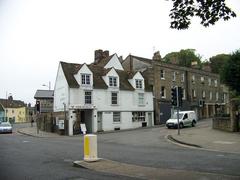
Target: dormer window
{"type": "Point", "coordinates": [139, 84]}
{"type": "Point", "coordinates": [112, 81]}
{"type": "Point", "coordinates": [86, 79]}
{"type": "Point", "coordinates": [202, 79]}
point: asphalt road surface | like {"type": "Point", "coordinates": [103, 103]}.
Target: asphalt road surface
{"type": "Point", "coordinates": [25, 157]}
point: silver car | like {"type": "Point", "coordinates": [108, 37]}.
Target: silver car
{"type": "Point", "coordinates": [5, 127]}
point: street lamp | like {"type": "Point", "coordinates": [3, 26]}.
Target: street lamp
{"type": "Point", "coordinates": [49, 85]}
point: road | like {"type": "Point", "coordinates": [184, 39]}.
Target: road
{"type": "Point", "coordinates": [25, 157]}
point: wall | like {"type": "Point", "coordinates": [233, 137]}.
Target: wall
{"type": "Point", "coordinates": [61, 91]}
{"type": "Point", "coordinates": [222, 123]}
{"type": "Point", "coordinates": [114, 62]}
{"type": "Point", "coordinates": [128, 102]}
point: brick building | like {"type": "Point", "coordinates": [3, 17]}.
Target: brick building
{"type": "Point", "coordinates": [201, 88]}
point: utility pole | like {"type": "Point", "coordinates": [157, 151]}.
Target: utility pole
{"type": "Point", "coordinates": [65, 119]}
{"type": "Point", "coordinates": [178, 109]}
{"type": "Point", "coordinates": [177, 101]}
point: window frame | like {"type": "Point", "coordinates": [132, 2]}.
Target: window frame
{"type": "Point", "coordinates": [112, 80]}
{"type": "Point", "coordinates": [138, 116]}
{"type": "Point", "coordinates": [183, 77]}
{"type": "Point", "coordinates": [140, 99]}
{"type": "Point", "coordinates": [209, 81]}
{"type": "Point", "coordinates": [85, 79]}
{"type": "Point", "coordinates": [210, 95]}
{"type": "Point", "coordinates": [203, 94]}
{"type": "Point", "coordinates": [163, 92]}
{"type": "Point", "coordinates": [86, 100]}
{"type": "Point", "coordinates": [174, 76]}
{"type": "Point", "coordinates": [162, 74]}
{"type": "Point", "coordinates": [139, 83]}
{"type": "Point", "coordinates": [113, 100]}
{"type": "Point", "coordinates": [215, 82]}
{"type": "Point", "coordinates": [194, 94]}
{"type": "Point", "coordinates": [217, 96]}
{"type": "Point", "coordinates": [116, 115]}
{"type": "Point", "coordinates": [193, 78]}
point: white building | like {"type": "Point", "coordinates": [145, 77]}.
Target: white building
{"type": "Point", "coordinates": [102, 95]}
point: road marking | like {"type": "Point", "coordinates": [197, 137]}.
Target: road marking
{"type": "Point", "coordinates": [25, 141]}
{"type": "Point", "coordinates": [223, 142]}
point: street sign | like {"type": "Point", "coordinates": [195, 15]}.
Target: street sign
{"type": "Point", "coordinates": [83, 128]}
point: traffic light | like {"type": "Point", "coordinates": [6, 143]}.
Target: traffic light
{"type": "Point", "coordinates": [174, 96]}
{"type": "Point", "coordinates": [180, 96]}
{"type": "Point", "coordinates": [38, 106]}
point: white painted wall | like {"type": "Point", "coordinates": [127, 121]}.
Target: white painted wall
{"type": "Point", "coordinates": [101, 101]}
{"type": "Point", "coordinates": [128, 102]}
{"type": "Point", "coordinates": [61, 91]}
{"type": "Point", "coordinates": [139, 76]}
{"type": "Point", "coordinates": [114, 62]}
{"type": "Point", "coordinates": [84, 70]}
{"type": "Point", "coordinates": [112, 73]}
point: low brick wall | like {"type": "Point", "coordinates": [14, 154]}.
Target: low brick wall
{"type": "Point", "coordinates": [222, 123]}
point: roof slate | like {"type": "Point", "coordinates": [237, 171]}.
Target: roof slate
{"type": "Point", "coordinates": [70, 69]}
{"type": "Point", "coordinates": [12, 103]}
{"type": "Point", "coordinates": [104, 61]}
{"type": "Point", "coordinates": [44, 94]}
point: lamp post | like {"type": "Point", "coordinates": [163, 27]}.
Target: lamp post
{"type": "Point", "coordinates": [65, 119]}
{"type": "Point", "coordinates": [6, 112]}
{"type": "Point", "coordinates": [49, 85]}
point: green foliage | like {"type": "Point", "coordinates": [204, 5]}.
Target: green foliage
{"type": "Point", "coordinates": [217, 62]}
{"type": "Point", "coordinates": [184, 57]}
{"type": "Point", "coordinates": [209, 11]}
{"type": "Point", "coordinates": [231, 72]}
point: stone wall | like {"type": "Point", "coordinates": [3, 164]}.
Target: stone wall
{"type": "Point", "coordinates": [47, 121]}
{"type": "Point", "coordinates": [222, 123]}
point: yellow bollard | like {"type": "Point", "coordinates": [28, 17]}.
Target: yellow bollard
{"type": "Point", "coordinates": [90, 148]}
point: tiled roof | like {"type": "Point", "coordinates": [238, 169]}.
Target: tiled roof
{"type": "Point", "coordinates": [69, 69]}
{"type": "Point", "coordinates": [44, 94]}
{"type": "Point", "coordinates": [98, 71]}
{"type": "Point", "coordinates": [104, 61]}
{"type": "Point", "coordinates": [149, 61]}
{"type": "Point", "coordinates": [124, 83]}
{"type": "Point", "coordinates": [12, 103]}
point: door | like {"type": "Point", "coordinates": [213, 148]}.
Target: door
{"type": "Point", "coordinates": [149, 119]}
{"type": "Point", "coordinates": [99, 120]}
{"type": "Point", "coordinates": [185, 119]}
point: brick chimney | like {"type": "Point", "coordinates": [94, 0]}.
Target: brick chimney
{"type": "Point", "coordinates": [157, 56]}
{"type": "Point", "coordinates": [99, 55]}
{"type": "Point", "coordinates": [207, 67]}
{"type": "Point", "coordinates": [194, 64]}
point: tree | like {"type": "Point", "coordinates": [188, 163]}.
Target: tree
{"type": "Point", "coordinates": [209, 12]}
{"type": "Point", "coordinates": [217, 62]}
{"type": "Point", "coordinates": [231, 72]}
{"type": "Point", "coordinates": [184, 57]}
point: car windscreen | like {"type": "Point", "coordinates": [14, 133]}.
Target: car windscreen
{"type": "Point", "coordinates": [174, 116]}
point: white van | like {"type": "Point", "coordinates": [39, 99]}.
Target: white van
{"type": "Point", "coordinates": [186, 118]}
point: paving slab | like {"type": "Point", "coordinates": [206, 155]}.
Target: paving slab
{"type": "Point", "coordinates": [130, 170]}
{"type": "Point", "coordinates": [207, 138]}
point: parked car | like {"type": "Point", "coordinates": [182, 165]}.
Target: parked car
{"type": "Point", "coordinates": [186, 118]}
{"type": "Point", "coordinates": [5, 127]}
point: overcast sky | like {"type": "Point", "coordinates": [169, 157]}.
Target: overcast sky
{"type": "Point", "coordinates": [36, 34]}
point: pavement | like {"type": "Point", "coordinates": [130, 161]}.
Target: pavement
{"type": "Point", "coordinates": [32, 131]}
{"type": "Point", "coordinates": [202, 137]}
